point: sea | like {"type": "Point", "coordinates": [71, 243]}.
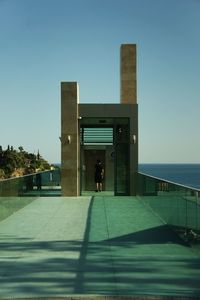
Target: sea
{"type": "Point", "coordinates": [184, 174]}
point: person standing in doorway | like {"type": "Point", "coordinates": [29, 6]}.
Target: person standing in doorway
{"type": "Point", "coordinates": [98, 176]}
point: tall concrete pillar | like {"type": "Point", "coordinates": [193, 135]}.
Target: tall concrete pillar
{"type": "Point", "coordinates": [128, 79]}
{"type": "Point", "coordinates": [128, 95]}
{"type": "Point", "coordinates": [69, 139]}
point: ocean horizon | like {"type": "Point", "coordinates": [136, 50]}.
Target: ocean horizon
{"type": "Point", "coordinates": [187, 174]}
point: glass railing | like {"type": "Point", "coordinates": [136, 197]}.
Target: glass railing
{"type": "Point", "coordinates": [177, 205]}
{"type": "Point", "coordinates": [16, 193]}
{"type": "Point", "coordinates": [37, 184]}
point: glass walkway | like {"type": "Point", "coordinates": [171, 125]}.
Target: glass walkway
{"type": "Point", "coordinates": [143, 247]}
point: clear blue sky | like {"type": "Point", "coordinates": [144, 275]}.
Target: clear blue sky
{"type": "Point", "coordinates": [43, 42]}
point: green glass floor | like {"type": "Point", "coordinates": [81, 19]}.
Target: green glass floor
{"type": "Point", "coordinates": [90, 246]}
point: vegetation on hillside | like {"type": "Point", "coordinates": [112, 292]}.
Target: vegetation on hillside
{"type": "Point", "coordinates": [19, 162]}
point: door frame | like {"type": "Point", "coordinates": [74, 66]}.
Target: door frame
{"type": "Point", "coordinates": [121, 143]}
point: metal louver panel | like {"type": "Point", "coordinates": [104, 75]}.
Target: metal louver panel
{"type": "Point", "coordinates": [97, 135]}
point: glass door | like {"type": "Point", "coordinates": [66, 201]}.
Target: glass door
{"type": "Point", "coordinates": [122, 154]}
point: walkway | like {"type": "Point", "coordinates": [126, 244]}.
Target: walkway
{"type": "Point", "coordinates": [59, 247]}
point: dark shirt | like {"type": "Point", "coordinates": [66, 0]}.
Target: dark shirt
{"type": "Point", "coordinates": [98, 173]}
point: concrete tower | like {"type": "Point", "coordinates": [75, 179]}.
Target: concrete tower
{"type": "Point", "coordinates": [128, 74]}
{"type": "Point", "coordinates": [70, 145]}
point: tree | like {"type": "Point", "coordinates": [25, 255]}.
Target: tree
{"type": "Point", "coordinates": [11, 160]}
{"type": "Point", "coordinates": [20, 148]}
{"type": "Point", "coordinates": [38, 155]}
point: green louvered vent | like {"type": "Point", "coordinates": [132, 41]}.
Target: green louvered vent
{"type": "Point", "coordinates": [98, 135]}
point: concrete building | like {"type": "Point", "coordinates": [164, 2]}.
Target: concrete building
{"type": "Point", "coordinates": [108, 132]}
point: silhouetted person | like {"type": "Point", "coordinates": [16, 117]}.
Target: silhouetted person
{"type": "Point", "coordinates": [98, 175]}
{"type": "Point", "coordinates": [38, 181]}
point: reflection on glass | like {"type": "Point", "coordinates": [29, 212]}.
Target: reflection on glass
{"type": "Point", "coordinates": [34, 184]}
{"type": "Point", "coordinates": [121, 152]}
{"type": "Point", "coordinates": [17, 192]}
{"type": "Point", "coordinates": [121, 147]}
{"type": "Point", "coordinates": [177, 205]}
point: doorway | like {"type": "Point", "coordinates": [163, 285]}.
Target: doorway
{"type": "Point", "coordinates": [110, 144]}
{"type": "Point", "coordinates": [91, 157]}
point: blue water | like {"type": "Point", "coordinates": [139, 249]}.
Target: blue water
{"type": "Point", "coordinates": [185, 174]}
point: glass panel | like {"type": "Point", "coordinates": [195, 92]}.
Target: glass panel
{"type": "Point", "coordinates": [177, 205]}
{"type": "Point", "coordinates": [121, 146]}
{"type": "Point", "coordinates": [39, 184]}
{"type": "Point", "coordinates": [122, 169]}
{"type": "Point", "coordinates": [17, 192]}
